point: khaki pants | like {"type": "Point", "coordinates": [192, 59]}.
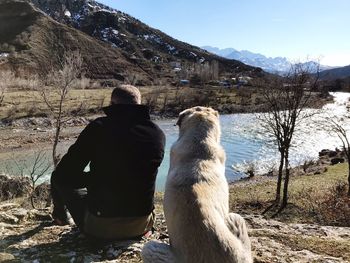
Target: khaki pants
{"type": "Point", "coordinates": [117, 228]}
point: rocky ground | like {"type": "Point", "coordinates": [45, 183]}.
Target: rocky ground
{"type": "Point", "coordinates": [27, 235]}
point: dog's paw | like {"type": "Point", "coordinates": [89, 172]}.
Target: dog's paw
{"type": "Point", "coordinates": [238, 227]}
{"type": "Point", "coordinates": [157, 252]}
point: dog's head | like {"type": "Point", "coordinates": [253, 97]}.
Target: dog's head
{"type": "Point", "coordinates": [199, 118]}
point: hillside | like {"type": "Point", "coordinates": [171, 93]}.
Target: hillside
{"type": "Point", "coordinates": [113, 45]}
{"type": "Point", "coordinates": [34, 42]}
{"type": "Point", "coordinates": [146, 46]}
{"type": "Point", "coordinates": [336, 73]}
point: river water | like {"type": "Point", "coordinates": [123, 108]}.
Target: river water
{"type": "Point", "coordinates": [247, 144]}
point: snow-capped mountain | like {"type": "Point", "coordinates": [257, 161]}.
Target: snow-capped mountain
{"type": "Point", "coordinates": [277, 65]}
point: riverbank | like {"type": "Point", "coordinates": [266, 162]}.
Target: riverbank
{"type": "Point", "coordinates": [242, 139]}
{"type": "Point", "coordinates": [27, 235]}
{"type": "Point", "coordinates": [164, 101]}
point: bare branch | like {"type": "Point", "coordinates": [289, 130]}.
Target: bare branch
{"type": "Point", "coordinates": [285, 101]}
{"type": "Point", "coordinates": [57, 85]}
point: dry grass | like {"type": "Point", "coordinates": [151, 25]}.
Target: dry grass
{"type": "Point", "coordinates": [318, 245]}
{"type": "Point", "coordinates": [165, 99]}
{"type": "Point", "coordinates": [19, 104]}
{"type": "Point", "coordinates": [312, 197]}
{"type": "Point", "coordinates": [161, 99]}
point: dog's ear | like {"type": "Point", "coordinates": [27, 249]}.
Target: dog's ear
{"type": "Point", "coordinates": [181, 117]}
{"type": "Point", "coordinates": [179, 121]}
{"type": "Point", "coordinates": [216, 113]}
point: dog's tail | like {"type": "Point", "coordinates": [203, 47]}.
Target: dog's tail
{"type": "Point", "coordinates": [157, 252]}
{"type": "Point", "coordinates": [233, 237]}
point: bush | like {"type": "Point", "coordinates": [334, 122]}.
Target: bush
{"type": "Point", "coordinates": [13, 187]}
{"type": "Point", "coordinates": [331, 207]}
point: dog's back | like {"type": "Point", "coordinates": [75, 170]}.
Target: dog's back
{"type": "Point", "coordinates": [196, 204]}
{"type": "Point", "coordinates": [197, 230]}
{"type": "Point", "coordinates": [196, 197]}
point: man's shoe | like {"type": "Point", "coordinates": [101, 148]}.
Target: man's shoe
{"type": "Point", "coordinates": [60, 222]}
{"type": "Point", "coordinates": [60, 217]}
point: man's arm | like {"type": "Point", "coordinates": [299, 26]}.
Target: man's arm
{"type": "Point", "coordinates": [70, 170]}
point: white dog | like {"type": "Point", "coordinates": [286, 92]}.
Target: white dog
{"type": "Point", "coordinates": [196, 202]}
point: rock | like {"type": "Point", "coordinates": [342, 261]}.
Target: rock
{"type": "Point", "coordinates": [332, 153]}
{"type": "Point", "coordinates": [20, 213]}
{"type": "Point", "coordinates": [323, 152]}
{"type": "Point", "coordinates": [13, 187]}
{"type": "Point", "coordinates": [8, 206]}
{"type": "Point", "coordinates": [8, 218]}
{"type": "Point", "coordinates": [337, 160]}
{"type": "Point", "coordinates": [4, 257]}
{"type": "Point", "coordinates": [40, 215]}
{"type": "Point", "coordinates": [42, 193]}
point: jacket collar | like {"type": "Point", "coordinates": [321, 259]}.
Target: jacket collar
{"type": "Point", "coordinates": [127, 111]}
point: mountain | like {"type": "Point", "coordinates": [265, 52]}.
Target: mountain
{"type": "Point", "coordinates": [30, 41]}
{"type": "Point", "coordinates": [220, 52]}
{"type": "Point", "coordinates": [336, 73]}
{"type": "Point", "coordinates": [279, 65]}
{"type": "Point", "coordinates": [273, 65]}
{"type": "Point", "coordinates": [114, 45]}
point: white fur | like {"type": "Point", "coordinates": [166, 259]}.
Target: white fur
{"type": "Point", "coordinates": [196, 202]}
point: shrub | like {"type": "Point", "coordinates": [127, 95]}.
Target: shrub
{"type": "Point", "coordinates": [330, 207]}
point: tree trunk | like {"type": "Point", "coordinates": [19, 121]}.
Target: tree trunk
{"type": "Point", "coordinates": [279, 184]}
{"type": "Point", "coordinates": [55, 143]}
{"type": "Point", "coordinates": [286, 181]}
{"type": "Point", "coordinates": [348, 177]}
{"type": "Point", "coordinates": [279, 179]}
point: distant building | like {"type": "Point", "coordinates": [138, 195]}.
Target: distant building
{"type": "Point", "coordinates": [244, 80]}
{"type": "Point", "coordinates": [184, 82]}
{"type": "Point", "coordinates": [175, 64]}
{"type": "Point", "coordinates": [225, 83]}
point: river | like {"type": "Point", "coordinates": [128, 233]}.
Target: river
{"type": "Point", "coordinates": [247, 144]}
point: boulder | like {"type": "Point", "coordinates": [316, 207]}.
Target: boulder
{"type": "Point", "coordinates": [13, 187]}
{"type": "Point", "coordinates": [337, 160]}
{"type": "Point", "coordinates": [6, 257]}
{"type": "Point", "coordinates": [42, 192]}
{"type": "Point", "coordinates": [332, 154]}
{"type": "Point", "coordinates": [323, 152]}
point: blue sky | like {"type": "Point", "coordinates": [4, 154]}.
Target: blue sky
{"type": "Point", "coordinates": [296, 29]}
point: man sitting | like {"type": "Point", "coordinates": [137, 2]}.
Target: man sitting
{"type": "Point", "coordinates": [124, 149]}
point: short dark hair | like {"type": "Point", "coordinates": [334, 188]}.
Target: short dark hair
{"type": "Point", "coordinates": [126, 94]}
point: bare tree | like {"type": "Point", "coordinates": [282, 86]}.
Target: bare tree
{"type": "Point", "coordinates": [285, 98]}
{"type": "Point", "coordinates": [2, 94]}
{"type": "Point", "coordinates": [34, 170]}
{"type": "Point", "coordinates": [206, 71]}
{"type": "Point", "coordinates": [6, 79]}
{"type": "Point", "coordinates": [59, 82]}
{"type": "Point", "coordinates": [337, 128]}
{"type": "Point", "coordinates": [39, 168]}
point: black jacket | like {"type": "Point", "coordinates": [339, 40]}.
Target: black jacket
{"type": "Point", "coordinates": [124, 150]}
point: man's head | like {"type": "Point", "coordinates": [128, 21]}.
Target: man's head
{"type": "Point", "coordinates": [126, 94]}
